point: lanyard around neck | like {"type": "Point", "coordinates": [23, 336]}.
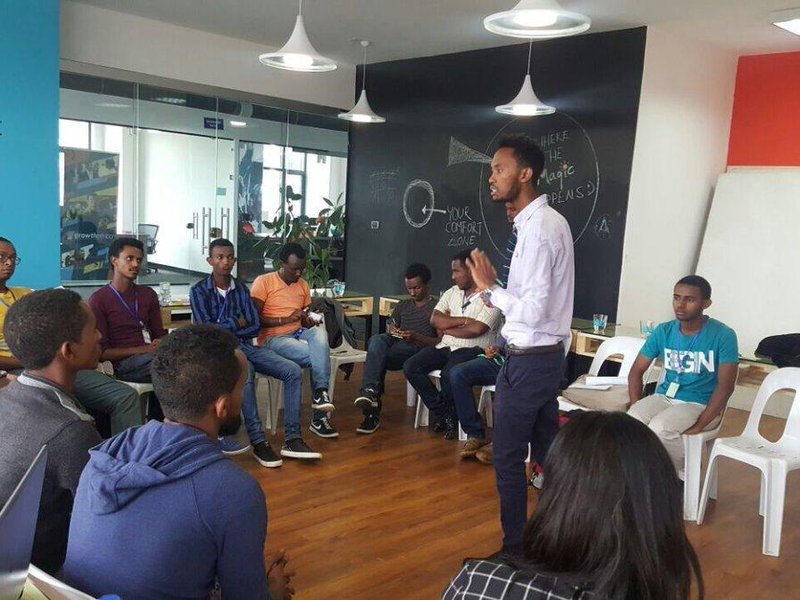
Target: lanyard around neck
{"type": "Point", "coordinates": [135, 312]}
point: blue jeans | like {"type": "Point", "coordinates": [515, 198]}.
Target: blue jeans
{"type": "Point", "coordinates": [416, 369]}
{"type": "Point", "coordinates": [267, 362]}
{"type": "Point", "coordinates": [478, 371]}
{"type": "Point", "coordinates": [311, 350]}
{"type": "Point", "coordinates": [384, 353]}
{"type": "Point", "coordinates": [526, 412]}
{"type": "Point", "coordinates": [135, 368]}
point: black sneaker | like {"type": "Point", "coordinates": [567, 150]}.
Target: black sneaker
{"type": "Point", "coordinates": [439, 425]}
{"type": "Point", "coordinates": [297, 448]}
{"type": "Point", "coordinates": [368, 399]}
{"type": "Point", "coordinates": [370, 424]}
{"type": "Point", "coordinates": [450, 428]}
{"type": "Point", "coordinates": [323, 428]}
{"type": "Point", "coordinates": [266, 455]}
{"type": "Point", "coordinates": [321, 401]}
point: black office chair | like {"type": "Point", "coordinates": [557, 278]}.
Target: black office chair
{"type": "Point", "coordinates": [151, 231]}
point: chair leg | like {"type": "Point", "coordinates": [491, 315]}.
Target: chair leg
{"type": "Point", "coordinates": [411, 395]}
{"type": "Point", "coordinates": [421, 419]}
{"type": "Point", "coordinates": [711, 473]}
{"type": "Point", "coordinates": [773, 523]}
{"type": "Point", "coordinates": [462, 435]}
{"type": "Point", "coordinates": [693, 456]}
{"type": "Point", "coordinates": [762, 496]}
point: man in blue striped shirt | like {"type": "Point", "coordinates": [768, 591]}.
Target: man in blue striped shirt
{"type": "Point", "coordinates": [220, 300]}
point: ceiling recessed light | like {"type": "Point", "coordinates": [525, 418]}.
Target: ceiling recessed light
{"type": "Point", "coordinates": [170, 100]}
{"type": "Point", "coordinates": [113, 105]}
{"type": "Point", "coordinates": [788, 20]}
{"type": "Point", "coordinates": [237, 123]}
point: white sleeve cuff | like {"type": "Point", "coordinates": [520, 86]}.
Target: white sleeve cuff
{"type": "Point", "coordinates": [500, 298]}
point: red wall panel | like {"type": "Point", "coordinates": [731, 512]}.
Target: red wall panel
{"type": "Point", "coordinates": [765, 127]}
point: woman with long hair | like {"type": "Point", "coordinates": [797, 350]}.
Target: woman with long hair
{"type": "Point", "coordinates": [609, 524]}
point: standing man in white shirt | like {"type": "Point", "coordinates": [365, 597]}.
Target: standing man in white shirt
{"type": "Point", "coordinates": [537, 305]}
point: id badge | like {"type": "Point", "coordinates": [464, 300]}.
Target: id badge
{"type": "Point", "coordinates": [672, 389]}
{"type": "Point", "coordinates": [146, 336]}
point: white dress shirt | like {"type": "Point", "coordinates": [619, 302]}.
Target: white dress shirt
{"type": "Point", "coordinates": [455, 303]}
{"type": "Point", "coordinates": [537, 302]}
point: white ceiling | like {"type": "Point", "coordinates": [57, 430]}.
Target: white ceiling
{"type": "Point", "coordinates": [413, 28]}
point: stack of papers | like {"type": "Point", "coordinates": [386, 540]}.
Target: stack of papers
{"type": "Point", "coordinates": [601, 384]}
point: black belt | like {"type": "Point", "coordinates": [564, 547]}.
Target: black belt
{"type": "Point", "coordinates": [518, 351]}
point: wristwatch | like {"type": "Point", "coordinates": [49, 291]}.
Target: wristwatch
{"type": "Point", "coordinates": [3, 374]}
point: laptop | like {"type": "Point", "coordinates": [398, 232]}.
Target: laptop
{"type": "Point", "coordinates": [18, 527]}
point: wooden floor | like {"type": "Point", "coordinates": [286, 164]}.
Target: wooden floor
{"type": "Point", "coordinates": [393, 514]}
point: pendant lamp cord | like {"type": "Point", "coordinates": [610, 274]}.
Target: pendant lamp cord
{"type": "Point", "coordinates": [530, 49]}
{"type": "Point", "coordinates": [364, 75]}
{"type": "Point", "coordinates": [300, 10]}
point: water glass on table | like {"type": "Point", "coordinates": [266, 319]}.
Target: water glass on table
{"type": "Point", "coordinates": [646, 327]}
{"type": "Point", "coordinates": [599, 322]}
{"type": "Point", "coordinates": [338, 288]}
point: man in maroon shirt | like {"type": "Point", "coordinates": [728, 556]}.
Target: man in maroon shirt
{"type": "Point", "coordinates": [128, 315]}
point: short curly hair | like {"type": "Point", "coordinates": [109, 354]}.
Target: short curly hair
{"type": "Point", "coordinates": [418, 270]}
{"type": "Point", "coordinates": [38, 324]}
{"type": "Point", "coordinates": [192, 368]}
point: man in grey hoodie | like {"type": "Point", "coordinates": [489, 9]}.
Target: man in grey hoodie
{"type": "Point", "coordinates": [160, 511]}
{"type": "Point", "coordinates": [53, 334]}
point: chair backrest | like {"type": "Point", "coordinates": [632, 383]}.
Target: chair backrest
{"type": "Point", "coordinates": [151, 231]}
{"type": "Point", "coordinates": [627, 347]}
{"type": "Point", "coordinates": [53, 588]}
{"type": "Point", "coordinates": [781, 379]}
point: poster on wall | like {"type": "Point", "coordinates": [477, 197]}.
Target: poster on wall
{"type": "Point", "coordinates": [251, 174]}
{"type": "Point", "coordinates": [88, 213]}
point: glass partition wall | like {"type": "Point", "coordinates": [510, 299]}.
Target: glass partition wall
{"type": "Point", "coordinates": [178, 170]}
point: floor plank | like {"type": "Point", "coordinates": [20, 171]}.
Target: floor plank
{"type": "Point", "coordinates": [393, 515]}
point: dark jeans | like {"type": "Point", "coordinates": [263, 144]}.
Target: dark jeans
{"type": "Point", "coordinates": [384, 353]}
{"type": "Point", "coordinates": [135, 368]}
{"type": "Point", "coordinates": [416, 369]}
{"type": "Point", "coordinates": [526, 412]}
{"type": "Point", "coordinates": [463, 377]}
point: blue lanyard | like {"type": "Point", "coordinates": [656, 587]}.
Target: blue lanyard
{"type": "Point", "coordinates": [679, 362]}
{"type": "Point", "coordinates": [224, 304]}
{"type": "Point", "coordinates": [135, 314]}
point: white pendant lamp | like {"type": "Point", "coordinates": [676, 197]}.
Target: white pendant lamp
{"type": "Point", "coordinates": [362, 112]}
{"type": "Point", "coordinates": [537, 19]}
{"type": "Point", "coordinates": [298, 54]}
{"type": "Point", "coordinates": [526, 104]}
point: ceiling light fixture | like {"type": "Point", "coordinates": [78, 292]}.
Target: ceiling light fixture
{"type": "Point", "coordinates": [237, 123]}
{"type": "Point", "coordinates": [788, 20]}
{"type": "Point", "coordinates": [537, 19]}
{"type": "Point", "coordinates": [298, 54]}
{"type": "Point", "coordinates": [526, 104]}
{"type": "Point", "coordinates": [362, 112]}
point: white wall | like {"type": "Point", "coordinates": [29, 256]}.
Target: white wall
{"type": "Point", "coordinates": [104, 37]}
{"type": "Point", "coordinates": [681, 148]}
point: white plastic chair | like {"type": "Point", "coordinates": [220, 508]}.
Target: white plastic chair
{"type": "Point", "coordinates": [421, 418]}
{"type": "Point", "coordinates": [693, 448]}
{"type": "Point", "coordinates": [52, 588]}
{"type": "Point", "coordinates": [143, 389]}
{"type": "Point", "coordinates": [485, 404]}
{"type": "Point", "coordinates": [345, 354]}
{"type": "Point", "coordinates": [773, 459]}
{"type": "Point", "coordinates": [627, 347]}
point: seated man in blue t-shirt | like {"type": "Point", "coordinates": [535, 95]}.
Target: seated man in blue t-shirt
{"type": "Point", "coordinates": [701, 359]}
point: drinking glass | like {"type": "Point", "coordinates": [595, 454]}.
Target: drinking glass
{"type": "Point", "coordinates": [646, 327]}
{"type": "Point", "coordinates": [338, 288]}
{"type": "Point", "coordinates": [599, 322]}
{"type": "Point", "coordinates": [165, 297]}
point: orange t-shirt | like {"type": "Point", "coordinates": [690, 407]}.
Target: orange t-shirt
{"type": "Point", "coordinates": [280, 300]}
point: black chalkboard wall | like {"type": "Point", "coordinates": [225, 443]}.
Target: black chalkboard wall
{"type": "Point", "coordinates": [423, 174]}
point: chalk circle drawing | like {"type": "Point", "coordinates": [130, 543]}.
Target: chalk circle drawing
{"type": "Point", "coordinates": [566, 143]}
{"type": "Point", "coordinates": [419, 203]}
{"type": "Point", "coordinates": [604, 227]}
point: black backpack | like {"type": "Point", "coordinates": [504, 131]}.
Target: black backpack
{"type": "Point", "coordinates": [783, 350]}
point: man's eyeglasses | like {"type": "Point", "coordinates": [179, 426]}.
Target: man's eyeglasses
{"type": "Point", "coordinates": [4, 258]}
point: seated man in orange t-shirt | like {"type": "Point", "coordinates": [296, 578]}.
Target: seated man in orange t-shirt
{"type": "Point", "coordinates": [282, 299]}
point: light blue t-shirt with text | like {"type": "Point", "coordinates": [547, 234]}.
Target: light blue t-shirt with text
{"type": "Point", "coordinates": [692, 361]}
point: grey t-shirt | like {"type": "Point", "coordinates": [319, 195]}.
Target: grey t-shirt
{"type": "Point", "coordinates": [410, 317]}
{"type": "Point", "coordinates": [35, 412]}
